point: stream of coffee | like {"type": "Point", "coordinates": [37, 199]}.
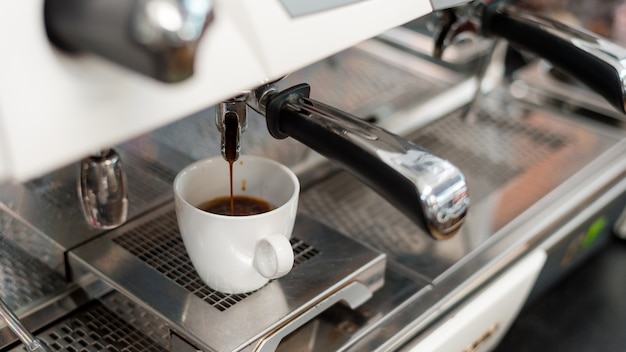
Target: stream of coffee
{"type": "Point", "coordinates": [234, 205]}
{"type": "Point", "coordinates": [231, 124]}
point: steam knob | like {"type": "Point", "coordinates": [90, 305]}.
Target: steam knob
{"type": "Point", "coordinates": [103, 191]}
{"type": "Point", "coordinates": [158, 38]}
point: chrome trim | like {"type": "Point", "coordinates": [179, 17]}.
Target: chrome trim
{"type": "Point", "coordinates": [103, 190]}
{"type": "Point", "coordinates": [32, 343]}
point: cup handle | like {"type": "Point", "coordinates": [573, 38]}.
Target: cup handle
{"type": "Point", "coordinates": [273, 256]}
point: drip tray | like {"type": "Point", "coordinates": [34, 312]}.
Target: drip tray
{"type": "Point", "coordinates": [112, 324]}
{"type": "Point", "coordinates": [146, 261]}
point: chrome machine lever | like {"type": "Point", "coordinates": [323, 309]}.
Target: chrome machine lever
{"type": "Point", "coordinates": [428, 189]}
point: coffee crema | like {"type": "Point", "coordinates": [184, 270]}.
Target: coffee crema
{"type": "Point", "coordinates": [241, 206]}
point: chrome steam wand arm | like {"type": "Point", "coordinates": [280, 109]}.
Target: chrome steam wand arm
{"type": "Point", "coordinates": [32, 343]}
{"type": "Point", "coordinates": [429, 190]}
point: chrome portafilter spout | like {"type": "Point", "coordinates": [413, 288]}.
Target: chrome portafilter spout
{"type": "Point", "coordinates": [31, 343]}
{"type": "Point", "coordinates": [231, 120]}
{"type": "Point", "coordinates": [103, 191]}
{"type": "Point", "coordinates": [428, 189]}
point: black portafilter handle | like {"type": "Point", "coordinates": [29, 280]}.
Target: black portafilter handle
{"type": "Point", "coordinates": [156, 38]}
{"type": "Point", "coordinates": [594, 61]}
{"type": "Point", "coordinates": [428, 189]}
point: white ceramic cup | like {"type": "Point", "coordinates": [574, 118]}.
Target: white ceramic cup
{"type": "Point", "coordinates": [237, 254]}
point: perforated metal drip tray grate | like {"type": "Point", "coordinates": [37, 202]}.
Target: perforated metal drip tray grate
{"type": "Point", "coordinates": [146, 261]}
{"type": "Point", "coordinates": [158, 244]}
{"type": "Point", "coordinates": [112, 324]}
{"type": "Point", "coordinates": [25, 274]}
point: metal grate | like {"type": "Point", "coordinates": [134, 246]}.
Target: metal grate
{"type": "Point", "coordinates": [138, 317]}
{"type": "Point", "coordinates": [96, 328]}
{"type": "Point", "coordinates": [155, 168]}
{"type": "Point", "coordinates": [23, 277]}
{"type": "Point", "coordinates": [354, 209]}
{"type": "Point", "coordinates": [159, 244]}
{"type": "Point", "coordinates": [302, 251]}
{"type": "Point", "coordinates": [147, 181]}
{"type": "Point", "coordinates": [55, 188]}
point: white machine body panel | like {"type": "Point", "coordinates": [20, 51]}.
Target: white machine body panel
{"type": "Point", "coordinates": [481, 322]}
{"type": "Point", "coordinates": [56, 107]}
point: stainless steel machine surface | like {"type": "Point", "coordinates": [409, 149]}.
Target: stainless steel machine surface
{"type": "Point", "coordinates": [366, 278]}
{"type": "Point", "coordinates": [546, 186]}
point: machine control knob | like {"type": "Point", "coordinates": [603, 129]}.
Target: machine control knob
{"type": "Point", "coordinates": [158, 38]}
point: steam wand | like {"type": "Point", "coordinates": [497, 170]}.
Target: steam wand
{"type": "Point", "coordinates": [32, 343]}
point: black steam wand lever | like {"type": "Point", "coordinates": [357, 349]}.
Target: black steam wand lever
{"type": "Point", "coordinates": [429, 190]}
{"type": "Point", "coordinates": [595, 61]}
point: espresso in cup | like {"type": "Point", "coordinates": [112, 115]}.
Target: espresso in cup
{"type": "Point", "coordinates": [236, 206]}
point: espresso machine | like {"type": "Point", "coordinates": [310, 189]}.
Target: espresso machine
{"type": "Point", "coordinates": [440, 192]}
